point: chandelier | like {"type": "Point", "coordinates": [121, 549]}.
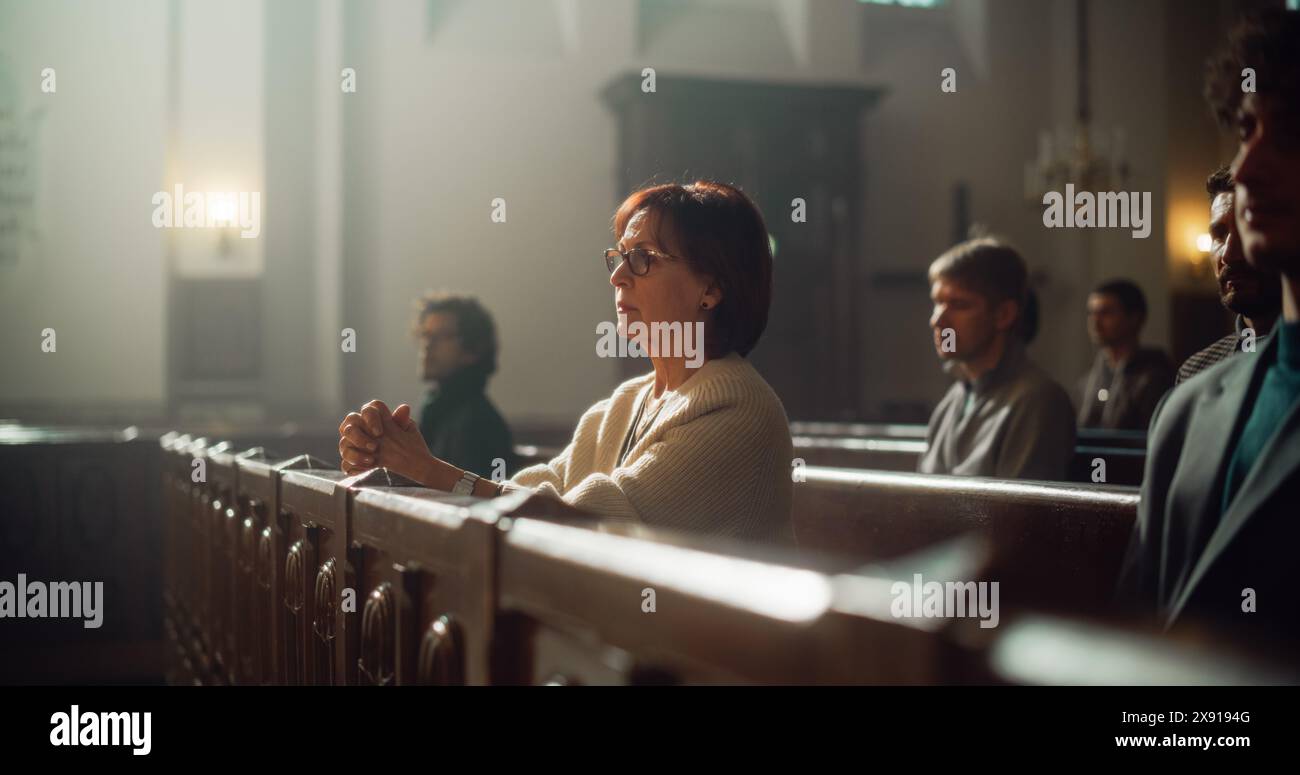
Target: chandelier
{"type": "Point", "coordinates": [1075, 154]}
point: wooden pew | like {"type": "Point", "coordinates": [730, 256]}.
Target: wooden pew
{"type": "Point", "coordinates": [1123, 466]}
{"type": "Point", "coordinates": [1112, 439]}
{"type": "Point", "coordinates": [83, 505]}
{"type": "Point", "coordinates": [426, 564]}
{"type": "Point", "coordinates": [886, 447]}
{"type": "Point", "coordinates": [317, 537]}
{"type": "Point", "coordinates": [426, 567]}
{"type": "Point", "coordinates": [241, 542]}
{"type": "Point", "coordinates": [858, 430]}
{"type": "Point", "coordinates": [226, 567]}
{"type": "Point", "coordinates": [842, 512]}
{"type": "Point", "coordinates": [1055, 544]}
{"type": "Point", "coordinates": [884, 454]}
{"type": "Point", "coordinates": [177, 612]}
{"type": "Point", "coordinates": [573, 611]}
{"type": "Point", "coordinates": [321, 639]}
{"type": "Point", "coordinates": [197, 519]}
{"type": "Point", "coordinates": [225, 559]}
{"type": "Point", "coordinates": [220, 566]}
{"type": "Point", "coordinates": [194, 581]}
{"type": "Point", "coordinates": [455, 592]}
{"type": "Point", "coordinates": [1043, 650]}
{"type": "Point", "coordinates": [320, 440]}
{"type": "Point", "coordinates": [432, 562]}
{"type": "Point", "coordinates": [247, 548]}
{"type": "Point", "coordinates": [1090, 437]}
{"type": "Point", "coordinates": [478, 598]}
{"type": "Point", "coordinates": [271, 526]}
{"type": "Point", "coordinates": [875, 454]}
{"type": "Point", "coordinates": [264, 526]}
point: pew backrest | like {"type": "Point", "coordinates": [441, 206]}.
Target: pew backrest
{"type": "Point", "coordinates": [1054, 541]}
{"type": "Point", "coordinates": [1093, 437]}
{"type": "Point", "coordinates": [1119, 465]}
{"type": "Point", "coordinates": [425, 565]}
{"type": "Point", "coordinates": [449, 592]}
{"type": "Point", "coordinates": [611, 606]}
{"type": "Point", "coordinates": [315, 572]}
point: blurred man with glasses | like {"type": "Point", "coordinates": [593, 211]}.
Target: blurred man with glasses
{"type": "Point", "coordinates": [458, 353]}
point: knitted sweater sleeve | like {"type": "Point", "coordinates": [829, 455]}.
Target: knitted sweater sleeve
{"type": "Point", "coordinates": [555, 471]}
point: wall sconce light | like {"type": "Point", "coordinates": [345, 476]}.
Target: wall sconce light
{"type": "Point", "coordinates": [1199, 256]}
{"type": "Point", "coordinates": [225, 216]}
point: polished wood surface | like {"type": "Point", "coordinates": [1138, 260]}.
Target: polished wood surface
{"type": "Point", "coordinates": [895, 447]}
{"type": "Point", "coordinates": [1055, 544]}
{"type": "Point", "coordinates": [454, 590]}
{"type": "Point", "coordinates": [279, 569]}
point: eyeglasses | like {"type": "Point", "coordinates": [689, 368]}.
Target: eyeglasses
{"type": "Point", "coordinates": [638, 259]}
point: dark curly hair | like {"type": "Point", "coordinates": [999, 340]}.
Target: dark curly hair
{"type": "Point", "coordinates": [1219, 182]}
{"type": "Point", "coordinates": [474, 324]}
{"type": "Point", "coordinates": [1267, 42]}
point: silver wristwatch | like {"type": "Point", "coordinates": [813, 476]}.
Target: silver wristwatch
{"type": "Point", "coordinates": [465, 486]}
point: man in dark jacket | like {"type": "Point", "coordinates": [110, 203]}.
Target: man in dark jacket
{"type": "Point", "coordinates": [458, 354]}
{"type": "Point", "coordinates": [1217, 530]}
{"type": "Point", "coordinates": [1126, 380]}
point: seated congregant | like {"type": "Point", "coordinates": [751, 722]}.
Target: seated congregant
{"type": "Point", "coordinates": [1216, 530]}
{"type": "Point", "coordinates": [701, 442]}
{"type": "Point", "coordinates": [1126, 381]}
{"type": "Point", "coordinates": [1255, 296]}
{"type": "Point", "coordinates": [458, 353]}
{"type": "Point", "coordinates": [1003, 417]}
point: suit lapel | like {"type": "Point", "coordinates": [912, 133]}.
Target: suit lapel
{"type": "Point", "coordinates": [1212, 429]}
{"type": "Point", "coordinates": [1280, 455]}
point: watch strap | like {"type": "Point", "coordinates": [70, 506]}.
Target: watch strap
{"type": "Point", "coordinates": [465, 486]}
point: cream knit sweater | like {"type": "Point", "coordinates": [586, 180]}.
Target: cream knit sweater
{"type": "Point", "coordinates": [715, 460]}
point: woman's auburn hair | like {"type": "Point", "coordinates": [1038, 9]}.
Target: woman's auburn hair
{"type": "Point", "coordinates": [720, 233]}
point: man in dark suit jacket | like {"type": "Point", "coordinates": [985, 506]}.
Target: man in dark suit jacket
{"type": "Point", "coordinates": [1193, 559]}
{"type": "Point", "coordinates": [1218, 531]}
